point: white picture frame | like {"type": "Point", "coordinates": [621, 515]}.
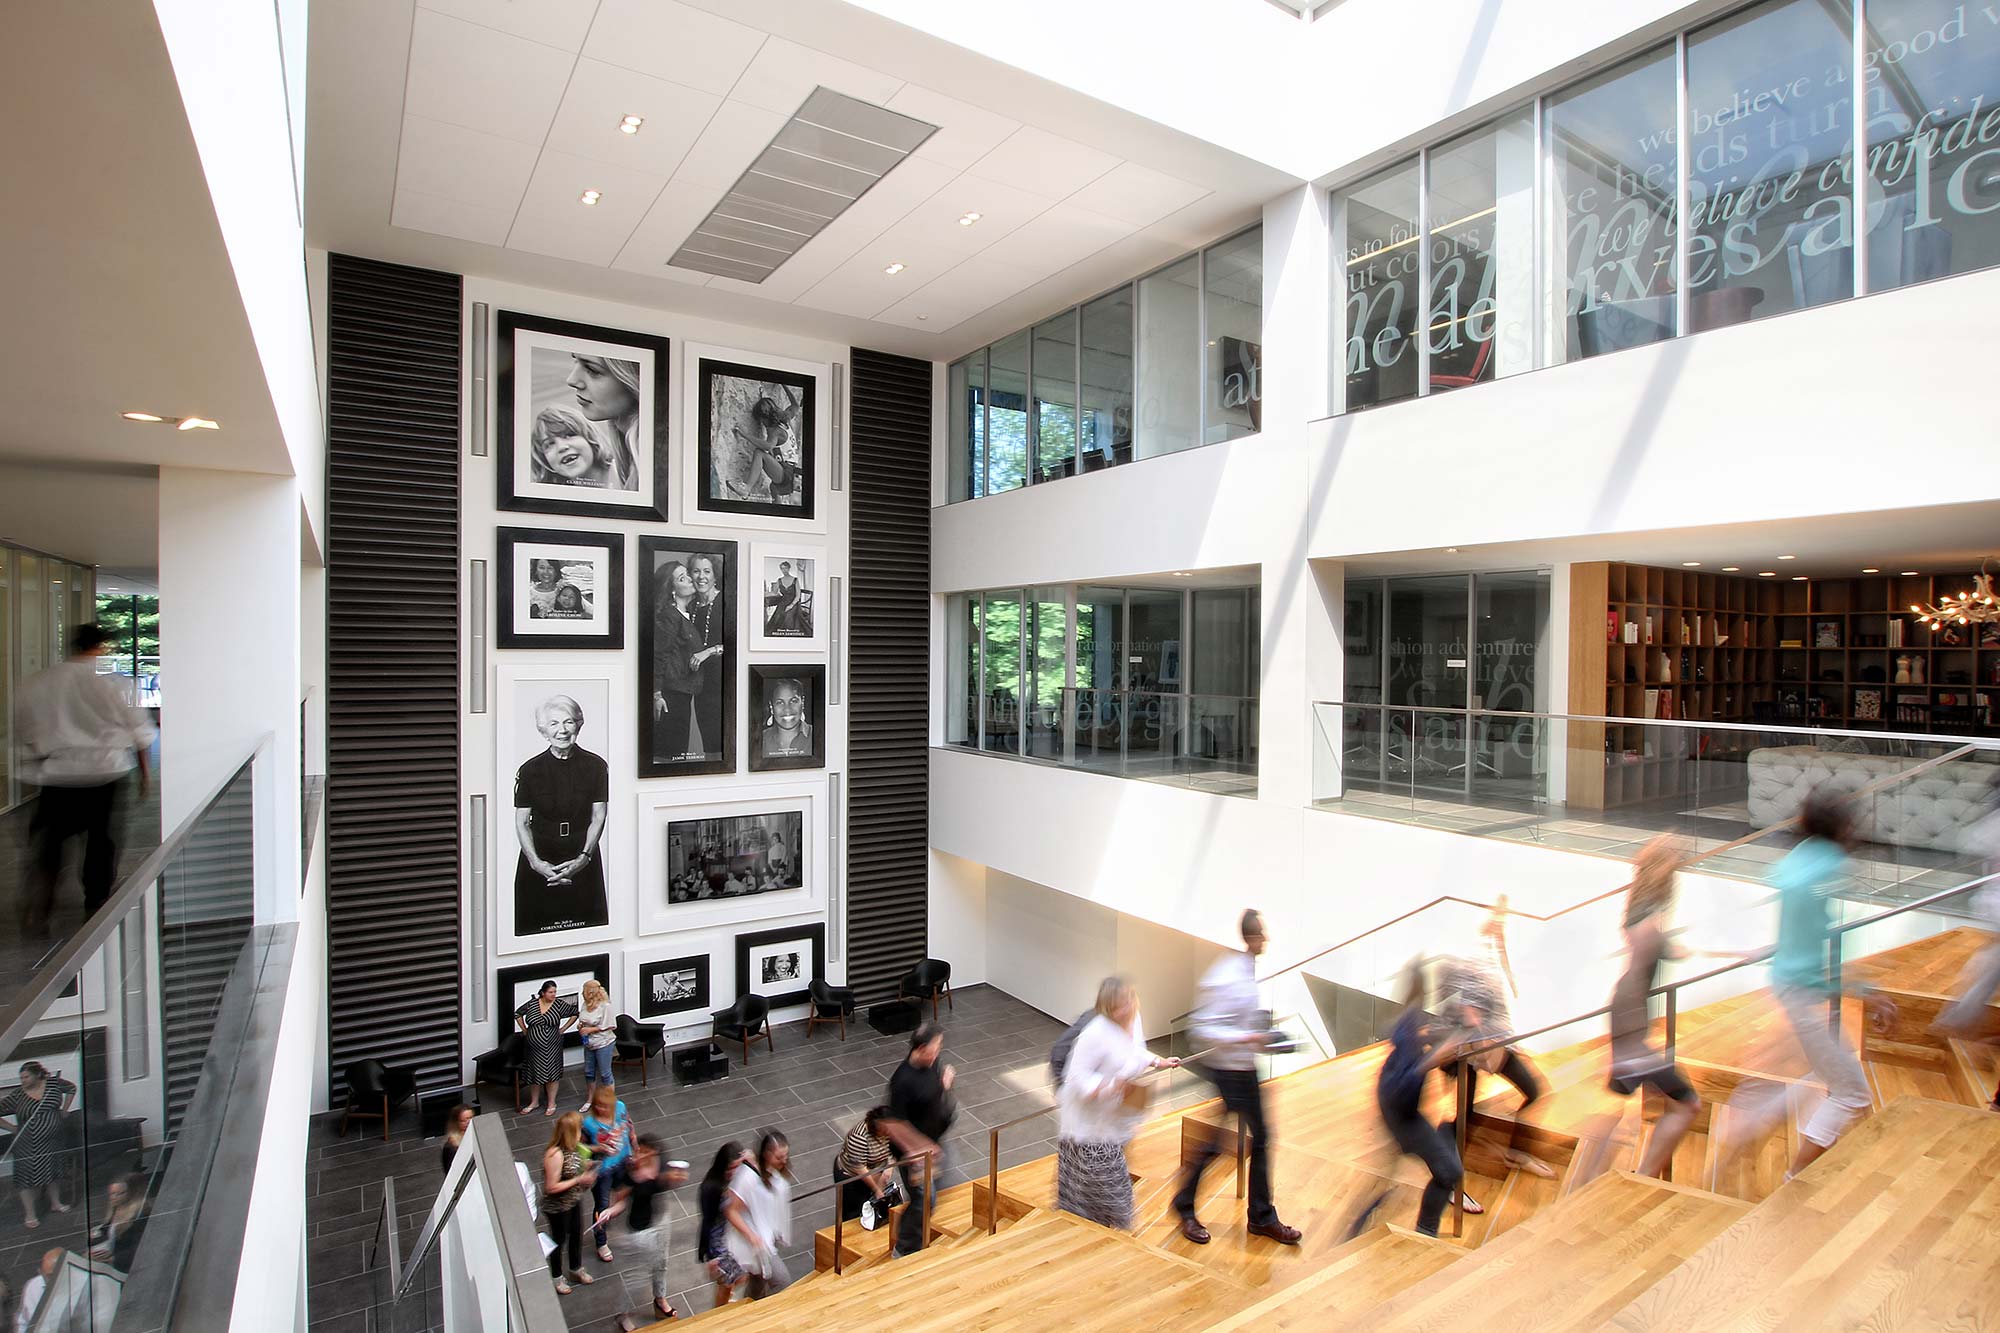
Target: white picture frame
{"type": "Point", "coordinates": [693, 506]}
{"type": "Point", "coordinates": [659, 811]}
{"type": "Point", "coordinates": [768, 566]}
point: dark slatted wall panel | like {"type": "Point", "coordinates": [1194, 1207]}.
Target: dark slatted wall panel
{"type": "Point", "coordinates": [888, 834]}
{"type": "Point", "coordinates": [392, 668]}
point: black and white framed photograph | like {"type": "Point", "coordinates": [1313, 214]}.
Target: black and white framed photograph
{"type": "Point", "coordinates": [560, 589]}
{"type": "Point", "coordinates": [787, 716]}
{"type": "Point", "coordinates": [515, 986]}
{"type": "Point", "coordinates": [779, 964]}
{"type": "Point", "coordinates": [668, 989]}
{"type": "Point", "coordinates": [726, 857]}
{"type": "Point", "coordinates": [559, 850]}
{"type": "Point", "coordinates": [758, 427]}
{"type": "Point", "coordinates": [788, 599]}
{"type": "Point", "coordinates": [687, 656]}
{"type": "Point", "coordinates": [581, 415]}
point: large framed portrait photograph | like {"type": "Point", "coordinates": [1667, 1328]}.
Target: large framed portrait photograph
{"type": "Point", "coordinates": [787, 716]}
{"type": "Point", "coordinates": [582, 418]}
{"type": "Point", "coordinates": [723, 858]}
{"type": "Point", "coordinates": [788, 602]}
{"type": "Point", "coordinates": [757, 423]}
{"type": "Point", "coordinates": [561, 589]}
{"type": "Point", "coordinates": [779, 964]}
{"type": "Point", "coordinates": [667, 989]}
{"type": "Point", "coordinates": [561, 853]}
{"type": "Point", "coordinates": [515, 986]}
{"type": "Point", "coordinates": [687, 656]}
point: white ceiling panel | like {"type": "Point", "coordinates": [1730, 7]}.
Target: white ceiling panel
{"type": "Point", "coordinates": [1001, 208]}
{"type": "Point", "coordinates": [558, 23]}
{"type": "Point", "coordinates": [672, 41]}
{"type": "Point", "coordinates": [784, 74]}
{"type": "Point", "coordinates": [1057, 239]}
{"type": "Point", "coordinates": [965, 134]}
{"type": "Point", "coordinates": [484, 79]}
{"type": "Point", "coordinates": [1135, 194]}
{"type": "Point", "coordinates": [602, 95]}
{"type": "Point", "coordinates": [553, 221]}
{"type": "Point", "coordinates": [731, 142]}
{"type": "Point", "coordinates": [973, 286]}
{"type": "Point", "coordinates": [860, 287]}
{"type": "Point", "coordinates": [1044, 163]}
{"type": "Point", "coordinates": [451, 162]}
{"type": "Point", "coordinates": [417, 211]}
{"type": "Point", "coordinates": [667, 223]}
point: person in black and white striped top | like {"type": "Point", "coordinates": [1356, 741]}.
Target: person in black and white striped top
{"type": "Point", "coordinates": [867, 1152]}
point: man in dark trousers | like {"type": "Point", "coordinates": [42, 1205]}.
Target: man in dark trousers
{"type": "Point", "coordinates": [1229, 1019]}
{"type": "Point", "coordinates": [920, 1096]}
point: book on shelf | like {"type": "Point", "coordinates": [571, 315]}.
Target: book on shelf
{"type": "Point", "coordinates": [1791, 643]}
{"type": "Point", "coordinates": [1652, 703]}
{"type": "Point", "coordinates": [1649, 629]}
{"type": "Point", "coordinates": [1826, 634]}
{"type": "Point", "coordinates": [1895, 634]}
{"type": "Point", "coordinates": [1666, 704]}
{"type": "Point", "coordinates": [1611, 627]}
{"type": "Point", "coordinates": [1631, 631]}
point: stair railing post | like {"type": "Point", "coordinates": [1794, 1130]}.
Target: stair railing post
{"type": "Point", "coordinates": [839, 1216]}
{"type": "Point", "coordinates": [1673, 1019]}
{"type": "Point", "coordinates": [1462, 1096]}
{"type": "Point", "coordinates": [1833, 971]}
{"type": "Point", "coordinates": [1242, 1155]}
{"type": "Point", "coordinates": [992, 1181]}
{"type": "Point", "coordinates": [926, 1214]}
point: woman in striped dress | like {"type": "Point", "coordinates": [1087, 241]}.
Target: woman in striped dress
{"type": "Point", "coordinates": [544, 1019]}
{"type": "Point", "coordinates": [37, 1108]}
{"type": "Point", "coordinates": [1100, 1111]}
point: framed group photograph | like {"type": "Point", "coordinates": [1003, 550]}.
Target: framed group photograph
{"type": "Point", "coordinates": [560, 852]}
{"type": "Point", "coordinates": [515, 986]}
{"type": "Point", "coordinates": [787, 716]}
{"type": "Point", "coordinates": [757, 424]}
{"type": "Point", "coordinates": [788, 601]}
{"type": "Point", "coordinates": [581, 417]}
{"type": "Point", "coordinates": [728, 857]}
{"type": "Point", "coordinates": [779, 964]}
{"type": "Point", "coordinates": [667, 989]}
{"type": "Point", "coordinates": [687, 656]}
{"type": "Point", "coordinates": [561, 589]}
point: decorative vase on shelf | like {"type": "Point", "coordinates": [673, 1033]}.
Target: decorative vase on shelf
{"type": "Point", "coordinates": [1903, 670]}
{"type": "Point", "coordinates": [1916, 671]}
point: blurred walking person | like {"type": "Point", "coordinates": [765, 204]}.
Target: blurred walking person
{"type": "Point", "coordinates": [1968, 1015]}
{"type": "Point", "coordinates": [920, 1097]}
{"type": "Point", "coordinates": [1418, 1044]}
{"type": "Point", "coordinates": [1102, 1104]}
{"type": "Point", "coordinates": [758, 1209]}
{"type": "Point", "coordinates": [647, 1176]}
{"type": "Point", "coordinates": [711, 1237]}
{"type": "Point", "coordinates": [567, 1179]}
{"type": "Point", "coordinates": [1635, 1062]}
{"type": "Point", "coordinates": [1472, 998]}
{"type": "Point", "coordinates": [79, 737]}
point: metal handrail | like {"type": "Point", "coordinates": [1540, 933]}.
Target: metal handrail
{"type": "Point", "coordinates": [486, 1146]}
{"type": "Point", "coordinates": [923, 1205]}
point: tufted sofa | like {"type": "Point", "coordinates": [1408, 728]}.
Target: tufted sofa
{"type": "Point", "coordinates": [1931, 810]}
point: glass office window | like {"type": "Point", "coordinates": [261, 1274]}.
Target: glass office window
{"type": "Point", "coordinates": [1055, 397]}
{"type": "Point", "coordinates": [1511, 633]}
{"type": "Point", "coordinates": [1378, 237]}
{"type": "Point", "coordinates": [1480, 318]}
{"type": "Point", "coordinates": [1100, 638]}
{"type": "Point", "coordinates": [1770, 157]}
{"type": "Point", "coordinates": [1361, 641]}
{"type": "Point", "coordinates": [1001, 702]}
{"type": "Point", "coordinates": [1225, 644]}
{"type": "Point", "coordinates": [968, 427]}
{"type": "Point", "coordinates": [1233, 296]}
{"type": "Point", "coordinates": [1007, 414]}
{"type": "Point", "coordinates": [961, 725]}
{"type": "Point", "coordinates": [1153, 648]}
{"type": "Point", "coordinates": [1169, 367]}
{"type": "Point", "coordinates": [1427, 650]}
{"type": "Point", "coordinates": [1933, 140]}
{"type": "Point", "coordinates": [7, 797]}
{"type": "Point", "coordinates": [1048, 671]}
{"type": "Point", "coordinates": [1104, 426]}
{"type": "Point", "coordinates": [1613, 186]}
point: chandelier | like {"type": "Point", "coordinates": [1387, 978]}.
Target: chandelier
{"type": "Point", "coordinates": [1977, 607]}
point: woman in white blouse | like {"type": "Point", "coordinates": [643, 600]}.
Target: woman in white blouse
{"type": "Point", "coordinates": [1101, 1109]}
{"type": "Point", "coordinates": [758, 1210]}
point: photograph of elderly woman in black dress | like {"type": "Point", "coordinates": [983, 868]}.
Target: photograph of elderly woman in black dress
{"type": "Point", "coordinates": [687, 655]}
{"type": "Point", "coordinates": [561, 797]}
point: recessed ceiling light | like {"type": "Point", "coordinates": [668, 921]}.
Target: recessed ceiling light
{"type": "Point", "coordinates": [631, 124]}
{"type": "Point", "coordinates": [921, 318]}
{"type": "Point", "coordinates": [140, 416]}
{"type": "Point", "coordinates": [1787, 557]}
{"type": "Point", "coordinates": [196, 423]}
{"type": "Point", "coordinates": [968, 219]}
{"type": "Point", "coordinates": [1798, 578]}
{"type": "Point", "coordinates": [1690, 564]}
{"type": "Point", "coordinates": [1731, 569]}
{"type": "Point", "coordinates": [1910, 573]}
{"type": "Point", "coordinates": [590, 197]}
{"type": "Point", "coordinates": [1182, 575]}
{"type": "Point", "coordinates": [1871, 571]}
{"type": "Point", "coordinates": [895, 268]}
{"type": "Point", "coordinates": [1767, 573]}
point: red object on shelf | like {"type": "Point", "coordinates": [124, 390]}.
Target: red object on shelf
{"type": "Point", "coordinates": [1611, 627]}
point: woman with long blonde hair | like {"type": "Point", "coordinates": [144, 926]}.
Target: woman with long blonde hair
{"type": "Point", "coordinates": [1635, 1062]}
{"type": "Point", "coordinates": [566, 1183]}
{"type": "Point", "coordinates": [599, 1031]}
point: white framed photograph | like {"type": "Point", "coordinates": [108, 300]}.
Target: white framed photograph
{"type": "Point", "coordinates": [788, 600]}
{"type": "Point", "coordinates": [722, 858]}
{"type": "Point", "coordinates": [561, 861]}
{"type": "Point", "coordinates": [581, 418]}
{"type": "Point", "coordinates": [756, 429]}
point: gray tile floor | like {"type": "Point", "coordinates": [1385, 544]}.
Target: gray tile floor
{"type": "Point", "coordinates": [812, 1090]}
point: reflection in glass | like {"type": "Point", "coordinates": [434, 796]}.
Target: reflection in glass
{"type": "Point", "coordinates": [962, 663]}
{"type": "Point", "coordinates": [1933, 204]}
{"type": "Point", "coordinates": [1001, 703]}
{"type": "Point", "coordinates": [968, 427]}
{"type": "Point", "coordinates": [1153, 658]}
{"type": "Point", "coordinates": [1007, 415]}
{"type": "Point", "coordinates": [1169, 368]}
{"type": "Point", "coordinates": [1379, 277]}
{"type": "Point", "coordinates": [1055, 397]}
{"type": "Point", "coordinates": [1771, 159]}
{"type": "Point", "coordinates": [1104, 427]}
{"type": "Point", "coordinates": [1225, 641]}
{"type": "Point", "coordinates": [1100, 637]}
{"type": "Point", "coordinates": [1482, 220]}
{"type": "Point", "coordinates": [1234, 292]}
{"type": "Point", "coordinates": [1361, 641]}
{"type": "Point", "coordinates": [1427, 623]}
{"type": "Point", "coordinates": [1613, 179]}
{"type": "Point", "coordinates": [1048, 652]}
{"type": "Point", "coordinates": [1511, 635]}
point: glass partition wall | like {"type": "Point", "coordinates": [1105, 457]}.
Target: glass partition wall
{"type": "Point", "coordinates": [1154, 682]}
{"type": "Point", "coordinates": [42, 598]}
{"type": "Point", "coordinates": [1166, 363]}
{"type": "Point", "coordinates": [1553, 233]}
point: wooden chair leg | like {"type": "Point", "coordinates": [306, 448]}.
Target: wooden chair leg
{"type": "Point", "coordinates": [385, 1117]}
{"type": "Point", "coordinates": [949, 1003]}
{"type": "Point", "coordinates": [346, 1115]}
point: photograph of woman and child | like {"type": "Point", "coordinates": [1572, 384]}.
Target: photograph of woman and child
{"type": "Point", "coordinates": [583, 418]}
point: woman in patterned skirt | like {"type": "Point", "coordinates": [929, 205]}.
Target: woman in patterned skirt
{"type": "Point", "coordinates": [1101, 1109]}
{"type": "Point", "coordinates": [37, 1108]}
{"type": "Point", "coordinates": [544, 1019]}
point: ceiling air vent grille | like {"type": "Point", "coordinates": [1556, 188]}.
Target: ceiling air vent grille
{"type": "Point", "coordinates": [824, 158]}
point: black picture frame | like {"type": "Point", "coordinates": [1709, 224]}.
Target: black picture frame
{"type": "Point", "coordinates": [646, 1011]}
{"type": "Point", "coordinates": [508, 979]}
{"type": "Point", "coordinates": [507, 544]}
{"type": "Point", "coordinates": [804, 484]}
{"type": "Point", "coordinates": [656, 758]}
{"type": "Point", "coordinates": [811, 678]}
{"type": "Point", "coordinates": [813, 933]}
{"type": "Point", "coordinates": [511, 434]}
